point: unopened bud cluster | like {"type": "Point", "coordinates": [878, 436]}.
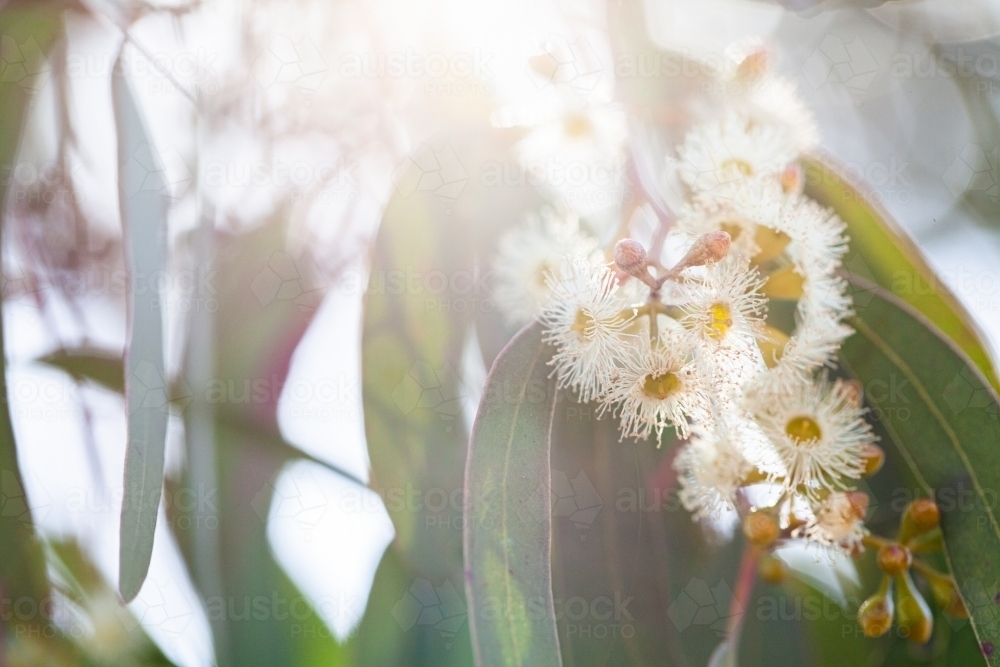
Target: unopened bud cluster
{"type": "Point", "coordinates": [897, 598]}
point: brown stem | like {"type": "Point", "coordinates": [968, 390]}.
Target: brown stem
{"type": "Point", "coordinates": [875, 542]}
{"type": "Point", "coordinates": [745, 581]}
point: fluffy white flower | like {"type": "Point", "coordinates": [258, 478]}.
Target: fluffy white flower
{"type": "Point", "coordinates": [723, 307]}
{"type": "Point", "coordinates": [838, 521]}
{"type": "Point", "coordinates": [719, 157]}
{"type": "Point", "coordinates": [819, 432]}
{"type": "Point", "coordinates": [750, 86]}
{"type": "Point", "coordinates": [657, 386]}
{"type": "Point", "coordinates": [583, 319]}
{"type": "Point", "coordinates": [711, 467]}
{"type": "Point", "coordinates": [580, 155]}
{"type": "Point", "coordinates": [816, 342]}
{"type": "Point", "coordinates": [528, 255]}
{"type": "Point", "coordinates": [797, 245]}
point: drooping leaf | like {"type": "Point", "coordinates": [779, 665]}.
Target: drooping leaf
{"type": "Point", "coordinates": [429, 278]}
{"type": "Point", "coordinates": [141, 197]}
{"type": "Point", "coordinates": [508, 522]}
{"type": "Point", "coordinates": [884, 254]}
{"type": "Point", "coordinates": [264, 299]}
{"type": "Point", "coordinates": [411, 363]}
{"type": "Point", "coordinates": [100, 366]}
{"type": "Point", "coordinates": [27, 33]}
{"type": "Point", "coordinates": [941, 415]}
{"type": "Point", "coordinates": [412, 620]}
{"type": "Point", "coordinates": [266, 619]}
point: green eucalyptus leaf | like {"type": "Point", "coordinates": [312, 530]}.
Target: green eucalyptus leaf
{"type": "Point", "coordinates": [27, 31]}
{"type": "Point", "coordinates": [508, 520]}
{"type": "Point", "coordinates": [101, 366]}
{"type": "Point", "coordinates": [941, 416]}
{"type": "Point", "coordinates": [141, 196]}
{"type": "Point", "coordinates": [412, 345]}
{"type": "Point", "coordinates": [884, 254]}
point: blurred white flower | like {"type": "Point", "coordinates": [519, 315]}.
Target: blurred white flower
{"type": "Point", "coordinates": [528, 255]}
{"type": "Point", "coordinates": [720, 157]}
{"type": "Point", "coordinates": [711, 467]}
{"type": "Point", "coordinates": [838, 521]}
{"type": "Point", "coordinates": [579, 155]}
{"type": "Point", "coordinates": [584, 320]}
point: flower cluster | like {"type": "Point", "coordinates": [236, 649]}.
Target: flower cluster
{"type": "Point", "coordinates": [698, 344]}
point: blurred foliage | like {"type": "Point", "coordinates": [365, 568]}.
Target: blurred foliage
{"type": "Point", "coordinates": [621, 544]}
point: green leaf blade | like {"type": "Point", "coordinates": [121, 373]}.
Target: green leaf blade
{"type": "Point", "coordinates": [942, 416]}
{"type": "Point", "coordinates": [508, 522]}
{"type": "Point", "coordinates": [883, 253]}
{"type": "Point", "coordinates": [144, 218]}
{"type": "Point", "coordinates": [100, 366]}
{"type": "Point", "coordinates": [34, 27]}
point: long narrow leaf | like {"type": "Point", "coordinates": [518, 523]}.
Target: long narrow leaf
{"type": "Point", "coordinates": [508, 518]}
{"type": "Point", "coordinates": [144, 218]}
{"type": "Point", "coordinates": [27, 34]}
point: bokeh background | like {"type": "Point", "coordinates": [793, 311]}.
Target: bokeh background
{"type": "Point", "coordinates": [286, 127]}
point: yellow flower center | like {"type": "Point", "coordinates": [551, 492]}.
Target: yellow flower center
{"type": "Point", "coordinates": [803, 430]}
{"type": "Point", "coordinates": [577, 126]}
{"type": "Point", "coordinates": [720, 320]}
{"type": "Point", "coordinates": [742, 166]}
{"type": "Point", "coordinates": [661, 386]}
{"type": "Point", "coordinates": [581, 323]}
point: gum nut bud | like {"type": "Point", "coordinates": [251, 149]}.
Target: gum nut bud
{"type": "Point", "coordinates": [894, 559]}
{"type": "Point", "coordinates": [754, 66]}
{"type": "Point", "coordinates": [946, 594]}
{"type": "Point", "coordinates": [912, 613]}
{"type": "Point", "coordinates": [714, 246]}
{"type": "Point", "coordinates": [875, 614]}
{"type": "Point", "coordinates": [925, 513]}
{"type": "Point", "coordinates": [874, 457]}
{"type": "Point", "coordinates": [772, 570]}
{"type": "Point", "coordinates": [853, 392]}
{"type": "Point", "coordinates": [760, 529]}
{"type": "Point", "coordinates": [859, 504]}
{"type": "Point", "coordinates": [792, 178]}
{"type": "Point", "coordinates": [921, 516]}
{"type": "Point", "coordinates": [630, 256]}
